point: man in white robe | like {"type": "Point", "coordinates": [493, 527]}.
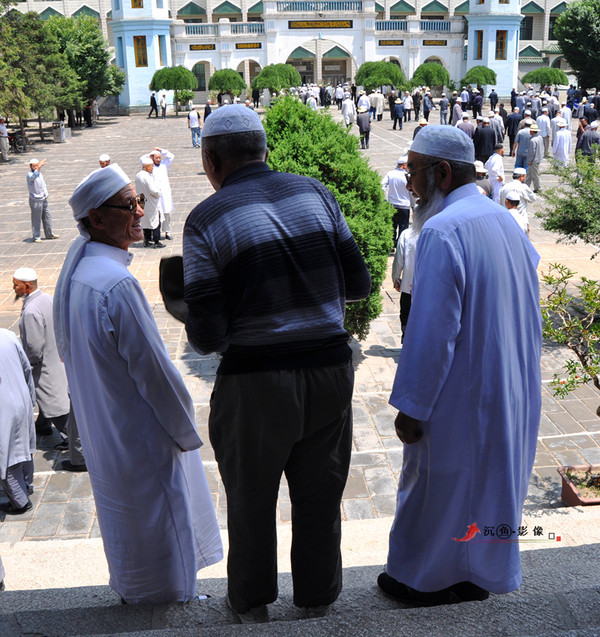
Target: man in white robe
{"type": "Point", "coordinates": [526, 196]}
{"type": "Point", "coordinates": [148, 187]}
{"type": "Point", "coordinates": [162, 162]}
{"type": "Point", "coordinates": [467, 387]}
{"type": "Point", "coordinates": [348, 111]}
{"type": "Point", "coordinates": [495, 168]}
{"type": "Point", "coordinates": [135, 416]}
{"type": "Point", "coordinates": [17, 431]}
{"type": "Point", "coordinates": [561, 148]}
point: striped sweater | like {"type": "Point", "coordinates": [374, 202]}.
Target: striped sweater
{"type": "Point", "coordinates": [269, 263]}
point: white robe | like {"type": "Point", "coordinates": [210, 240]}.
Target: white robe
{"type": "Point", "coordinates": [136, 418]}
{"type": "Point", "coordinates": [146, 184]}
{"type": "Point", "coordinates": [161, 176]}
{"type": "Point", "coordinates": [495, 167]}
{"type": "Point", "coordinates": [520, 214]}
{"type": "Point", "coordinates": [17, 398]}
{"type": "Point", "coordinates": [469, 370]}
{"type": "Point", "coordinates": [562, 146]}
{"type": "Point", "coordinates": [348, 111]}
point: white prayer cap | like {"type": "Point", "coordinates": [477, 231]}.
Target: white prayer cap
{"type": "Point", "coordinates": [25, 275]}
{"type": "Point", "coordinates": [486, 120]}
{"type": "Point", "coordinates": [562, 122]}
{"type": "Point", "coordinates": [34, 160]}
{"type": "Point", "coordinates": [145, 160]}
{"type": "Point", "coordinates": [459, 99]}
{"type": "Point", "coordinates": [527, 112]}
{"type": "Point", "coordinates": [519, 171]}
{"type": "Point", "coordinates": [154, 152]}
{"type": "Point", "coordinates": [528, 121]}
{"type": "Point", "coordinates": [402, 159]}
{"type": "Point", "coordinates": [233, 119]}
{"type": "Point", "coordinates": [513, 195]}
{"type": "Point", "coordinates": [465, 115]}
{"type": "Point", "coordinates": [445, 142]}
{"type": "Point", "coordinates": [594, 124]}
{"type": "Point", "coordinates": [96, 188]}
{"type": "Point", "coordinates": [104, 157]}
{"type": "Point", "coordinates": [479, 167]}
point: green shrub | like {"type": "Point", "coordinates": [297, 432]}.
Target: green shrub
{"type": "Point", "coordinates": [310, 143]}
{"type": "Point", "coordinates": [373, 75]}
{"type": "Point", "coordinates": [479, 75]}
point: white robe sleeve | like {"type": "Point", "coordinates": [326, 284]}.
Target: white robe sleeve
{"type": "Point", "coordinates": [433, 326]}
{"type": "Point", "coordinates": [149, 365]}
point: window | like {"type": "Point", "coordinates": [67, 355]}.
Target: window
{"type": "Point", "coordinates": [551, 24]}
{"type": "Point", "coordinates": [159, 4]}
{"type": "Point", "coordinates": [199, 72]}
{"type": "Point", "coordinates": [137, 4]}
{"type": "Point", "coordinates": [501, 45]}
{"type": "Point", "coordinates": [162, 49]}
{"type": "Point", "coordinates": [141, 53]}
{"type": "Point", "coordinates": [480, 1]}
{"type": "Point", "coordinates": [504, 2]}
{"type": "Point", "coordinates": [526, 32]}
{"type": "Point", "coordinates": [117, 5]}
{"type": "Point", "coordinates": [479, 45]}
{"type": "Point", "coordinates": [120, 56]}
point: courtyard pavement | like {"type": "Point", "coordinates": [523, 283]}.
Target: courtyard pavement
{"type": "Point", "coordinates": [63, 502]}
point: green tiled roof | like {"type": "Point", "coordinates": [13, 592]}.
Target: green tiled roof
{"type": "Point", "coordinates": [336, 52]}
{"type": "Point", "coordinates": [301, 54]}
{"type": "Point", "coordinates": [226, 7]}
{"type": "Point", "coordinates": [530, 60]}
{"type": "Point", "coordinates": [462, 8]}
{"type": "Point", "coordinates": [434, 7]}
{"type": "Point", "coordinates": [191, 8]}
{"type": "Point", "coordinates": [531, 8]}
{"type": "Point", "coordinates": [85, 10]}
{"type": "Point", "coordinates": [48, 12]}
{"type": "Point", "coordinates": [257, 8]}
{"type": "Point", "coordinates": [559, 8]}
{"type": "Point", "coordinates": [402, 7]}
{"type": "Point", "coordinates": [553, 48]}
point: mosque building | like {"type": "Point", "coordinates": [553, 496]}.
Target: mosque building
{"type": "Point", "coordinates": [325, 40]}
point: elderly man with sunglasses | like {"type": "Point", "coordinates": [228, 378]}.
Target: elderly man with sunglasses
{"type": "Point", "coordinates": [135, 416]}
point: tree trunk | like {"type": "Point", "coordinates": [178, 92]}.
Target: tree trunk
{"type": "Point", "coordinates": [40, 125]}
{"type": "Point", "coordinates": [176, 104]}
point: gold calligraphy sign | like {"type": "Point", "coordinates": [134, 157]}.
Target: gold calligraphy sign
{"type": "Point", "coordinates": [435, 42]}
{"type": "Point", "coordinates": [320, 24]}
{"type": "Point", "coordinates": [249, 45]}
{"type": "Point", "coordinates": [202, 47]}
{"type": "Point", "coordinates": [391, 42]}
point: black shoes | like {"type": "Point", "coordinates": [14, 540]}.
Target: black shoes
{"type": "Point", "coordinates": [10, 508]}
{"type": "Point", "coordinates": [63, 445]}
{"type": "Point", "coordinates": [158, 244]}
{"type": "Point", "coordinates": [168, 236]}
{"type": "Point", "coordinates": [146, 244]}
{"type": "Point", "coordinates": [462, 592]}
{"type": "Point", "coordinates": [67, 465]}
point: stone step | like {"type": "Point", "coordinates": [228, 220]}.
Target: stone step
{"type": "Point", "coordinates": [560, 593]}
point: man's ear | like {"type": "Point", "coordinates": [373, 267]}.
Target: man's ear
{"type": "Point", "coordinates": [96, 218]}
{"type": "Point", "coordinates": [211, 161]}
{"type": "Point", "coordinates": [443, 176]}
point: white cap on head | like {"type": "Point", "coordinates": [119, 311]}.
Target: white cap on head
{"type": "Point", "coordinates": [594, 124]}
{"type": "Point", "coordinates": [486, 120]}
{"type": "Point", "coordinates": [445, 142]}
{"type": "Point", "coordinates": [465, 115]}
{"type": "Point", "coordinates": [34, 160]}
{"type": "Point", "coordinates": [104, 157]}
{"type": "Point", "coordinates": [561, 122]}
{"type": "Point", "coordinates": [519, 171]}
{"type": "Point", "coordinates": [154, 152]}
{"type": "Point", "coordinates": [233, 119]}
{"type": "Point", "coordinates": [402, 159]}
{"type": "Point", "coordinates": [145, 160]}
{"type": "Point", "coordinates": [479, 167]}
{"type": "Point", "coordinates": [513, 195]}
{"type": "Point", "coordinates": [25, 275]}
{"type": "Point", "coordinates": [96, 188]}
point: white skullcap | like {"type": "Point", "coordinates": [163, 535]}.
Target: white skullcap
{"type": "Point", "coordinates": [561, 121]}
{"type": "Point", "coordinates": [527, 112]}
{"type": "Point", "coordinates": [486, 120]}
{"type": "Point", "coordinates": [519, 171]}
{"type": "Point", "coordinates": [491, 114]}
{"type": "Point", "coordinates": [513, 195]}
{"type": "Point", "coordinates": [25, 275]}
{"type": "Point", "coordinates": [96, 188]}
{"type": "Point", "coordinates": [446, 142]}
{"type": "Point", "coordinates": [402, 159]}
{"type": "Point", "coordinates": [146, 159]}
{"type": "Point", "coordinates": [104, 157]}
{"type": "Point", "coordinates": [232, 119]}
{"type": "Point", "coordinates": [465, 115]}
{"type": "Point", "coordinates": [157, 152]}
{"type": "Point", "coordinates": [34, 160]}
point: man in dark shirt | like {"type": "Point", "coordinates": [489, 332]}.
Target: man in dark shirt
{"type": "Point", "coordinates": [512, 127]}
{"type": "Point", "coordinates": [269, 263]}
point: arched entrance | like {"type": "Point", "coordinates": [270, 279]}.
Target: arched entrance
{"type": "Point", "coordinates": [248, 69]}
{"type": "Point", "coordinates": [434, 60]}
{"type": "Point", "coordinates": [322, 61]}
{"type": "Point", "coordinates": [202, 71]}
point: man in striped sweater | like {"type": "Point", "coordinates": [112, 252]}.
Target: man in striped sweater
{"type": "Point", "coordinates": [269, 263]}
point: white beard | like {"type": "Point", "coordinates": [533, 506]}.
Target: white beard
{"type": "Point", "coordinates": [424, 210]}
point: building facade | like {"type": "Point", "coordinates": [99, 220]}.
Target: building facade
{"type": "Point", "coordinates": [325, 40]}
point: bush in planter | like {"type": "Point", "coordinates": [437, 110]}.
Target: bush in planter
{"type": "Point", "coordinates": [184, 97]}
{"type": "Point", "coordinates": [310, 143]}
{"type": "Point", "coordinates": [573, 321]}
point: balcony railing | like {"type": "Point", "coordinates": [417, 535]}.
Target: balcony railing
{"type": "Point", "coordinates": [435, 25]}
{"type": "Point", "coordinates": [202, 29]}
{"type": "Point", "coordinates": [308, 6]}
{"type": "Point", "coordinates": [391, 25]}
{"type": "Point", "coordinates": [247, 27]}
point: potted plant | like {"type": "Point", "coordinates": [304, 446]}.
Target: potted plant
{"type": "Point", "coordinates": [580, 485]}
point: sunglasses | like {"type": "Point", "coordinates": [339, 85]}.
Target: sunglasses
{"type": "Point", "coordinates": [134, 202]}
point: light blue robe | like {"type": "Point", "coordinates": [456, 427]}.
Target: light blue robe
{"type": "Point", "coordinates": [470, 371]}
{"type": "Point", "coordinates": [136, 419]}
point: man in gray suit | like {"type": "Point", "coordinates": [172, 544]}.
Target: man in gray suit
{"type": "Point", "coordinates": [36, 328]}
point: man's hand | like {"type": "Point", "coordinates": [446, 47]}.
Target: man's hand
{"type": "Point", "coordinates": [397, 285]}
{"type": "Point", "coordinates": [408, 429]}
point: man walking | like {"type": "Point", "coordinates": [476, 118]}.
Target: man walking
{"type": "Point", "coordinates": [150, 196]}
{"type": "Point", "coordinates": [394, 187]}
{"type": "Point", "coordinates": [38, 202]}
{"type": "Point", "coordinates": [469, 446]}
{"type": "Point", "coordinates": [163, 159]}
{"type": "Point", "coordinates": [135, 416]}
{"type": "Point", "coordinates": [495, 167]}
{"type": "Point", "coordinates": [443, 105]}
{"type": "Point", "coordinates": [193, 122]}
{"type": "Point", "coordinates": [364, 126]}
{"type": "Point", "coordinates": [153, 105]}
{"type": "Point", "coordinates": [535, 154]}
{"type": "Point", "coordinates": [512, 128]}
{"type": "Point", "coordinates": [526, 195]}
{"type": "Point", "coordinates": [17, 431]}
{"type": "Point", "coordinates": [561, 148]}
{"type": "Point", "coordinates": [4, 145]}
{"type": "Point", "coordinates": [269, 263]}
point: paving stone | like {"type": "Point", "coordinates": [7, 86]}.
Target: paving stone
{"type": "Point", "coordinates": [14, 530]}
{"type": "Point", "coordinates": [50, 509]}
{"type": "Point", "coordinates": [579, 410]}
{"type": "Point", "coordinates": [366, 439]}
{"type": "Point", "coordinates": [565, 422]}
{"type": "Point", "coordinates": [356, 487]}
{"type": "Point", "coordinates": [384, 505]}
{"type": "Point", "coordinates": [82, 489]}
{"type": "Point", "coordinates": [43, 527]}
{"type": "Point", "coordinates": [382, 486]}
{"type": "Point", "coordinates": [60, 482]}
{"type": "Point", "coordinates": [569, 457]}
{"type": "Point", "coordinates": [591, 455]}
{"type": "Point", "coordinates": [361, 509]}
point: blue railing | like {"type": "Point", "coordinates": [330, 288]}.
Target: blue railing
{"type": "Point", "coordinates": [306, 6]}
{"type": "Point", "coordinates": [247, 27]}
{"type": "Point", "coordinates": [202, 29]}
{"type": "Point", "coordinates": [391, 25]}
{"type": "Point", "coordinates": [435, 25]}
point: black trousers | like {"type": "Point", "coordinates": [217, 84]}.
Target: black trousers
{"type": "Point", "coordinates": [400, 220]}
{"type": "Point", "coordinates": [405, 301]}
{"type": "Point", "coordinates": [264, 424]}
{"type": "Point", "coordinates": [43, 423]}
{"type": "Point", "coordinates": [152, 234]}
{"type": "Point", "coordinates": [364, 139]}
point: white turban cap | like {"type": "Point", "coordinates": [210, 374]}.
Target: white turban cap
{"type": "Point", "coordinates": [25, 275]}
{"type": "Point", "coordinates": [96, 188]}
{"type": "Point", "coordinates": [235, 118]}
{"type": "Point", "coordinates": [445, 142]}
